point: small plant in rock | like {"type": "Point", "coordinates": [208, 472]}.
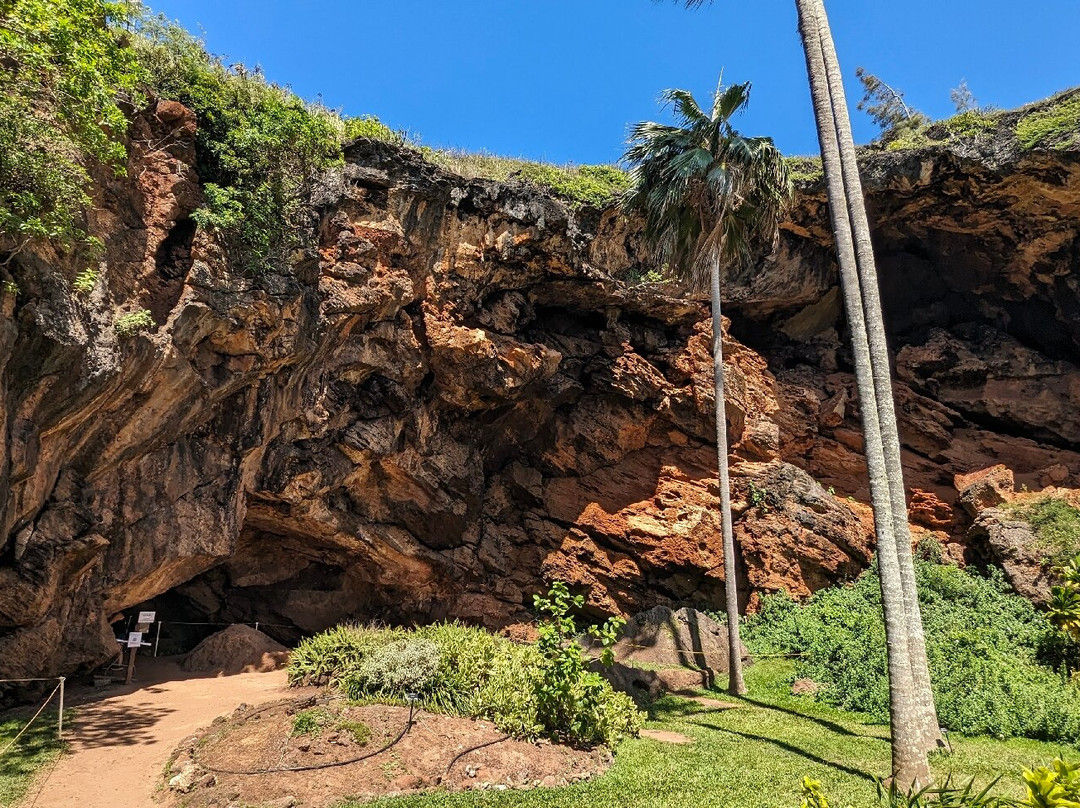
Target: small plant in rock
{"type": "Point", "coordinates": [758, 496]}
{"type": "Point", "coordinates": [11, 288]}
{"type": "Point", "coordinates": [85, 281]}
{"type": "Point", "coordinates": [128, 325]}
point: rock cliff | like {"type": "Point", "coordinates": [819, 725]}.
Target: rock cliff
{"type": "Point", "coordinates": [456, 398]}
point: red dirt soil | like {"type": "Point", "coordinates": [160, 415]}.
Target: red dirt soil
{"type": "Point", "coordinates": [452, 753]}
{"type": "Point", "coordinates": [120, 738]}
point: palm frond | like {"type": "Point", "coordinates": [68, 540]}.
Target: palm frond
{"type": "Point", "coordinates": [704, 190]}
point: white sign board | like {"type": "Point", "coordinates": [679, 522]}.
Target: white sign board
{"type": "Point", "coordinates": [134, 639]}
{"type": "Point", "coordinates": [146, 617]}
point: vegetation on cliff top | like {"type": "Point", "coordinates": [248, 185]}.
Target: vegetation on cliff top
{"type": "Point", "coordinates": [67, 69]}
{"type": "Point", "coordinates": [79, 64]}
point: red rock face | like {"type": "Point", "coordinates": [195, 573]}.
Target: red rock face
{"type": "Point", "coordinates": [449, 404]}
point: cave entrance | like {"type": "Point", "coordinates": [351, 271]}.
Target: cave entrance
{"type": "Point", "coordinates": [289, 587]}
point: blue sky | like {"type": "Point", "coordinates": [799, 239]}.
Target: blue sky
{"type": "Point", "coordinates": [561, 80]}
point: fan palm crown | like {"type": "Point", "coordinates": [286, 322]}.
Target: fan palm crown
{"type": "Point", "coordinates": [705, 191]}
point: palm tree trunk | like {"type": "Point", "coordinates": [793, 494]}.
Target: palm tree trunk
{"type": "Point", "coordinates": [736, 685]}
{"type": "Point", "coordinates": [910, 765]}
{"type": "Point", "coordinates": [879, 358]}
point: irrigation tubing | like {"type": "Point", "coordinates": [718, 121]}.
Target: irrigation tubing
{"type": "Point", "coordinates": [31, 721]}
{"type": "Point", "coordinates": [311, 767]}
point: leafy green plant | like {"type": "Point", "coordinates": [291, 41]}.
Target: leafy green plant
{"type": "Point", "coordinates": [1063, 610]}
{"type": "Point", "coordinates": [1053, 786]}
{"type": "Point", "coordinates": [311, 722]}
{"type": "Point", "coordinates": [576, 704]}
{"type": "Point", "coordinates": [130, 324]}
{"type": "Point", "coordinates": [813, 794]}
{"type": "Point", "coordinates": [11, 288]}
{"type": "Point", "coordinates": [68, 65]}
{"type": "Point", "coordinates": [85, 281]}
{"type": "Point", "coordinates": [987, 649]}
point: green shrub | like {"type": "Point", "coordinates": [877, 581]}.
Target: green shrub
{"type": "Point", "coordinates": [130, 324]}
{"type": "Point", "coordinates": [66, 67]}
{"type": "Point", "coordinates": [259, 147]}
{"type": "Point", "coordinates": [805, 170]}
{"type": "Point", "coordinates": [986, 647]}
{"type": "Point", "coordinates": [970, 123]}
{"type": "Point", "coordinates": [1055, 125]}
{"type": "Point", "coordinates": [324, 658]}
{"type": "Point", "coordinates": [369, 126]}
{"type": "Point", "coordinates": [460, 670]}
{"type": "Point", "coordinates": [408, 665]}
{"type": "Point", "coordinates": [576, 704]}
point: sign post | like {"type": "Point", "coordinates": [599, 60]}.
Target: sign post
{"type": "Point", "coordinates": [134, 640]}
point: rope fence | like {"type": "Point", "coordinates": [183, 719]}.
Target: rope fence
{"type": "Point", "coordinates": [59, 689]}
{"type": "Point", "coordinates": [161, 623]}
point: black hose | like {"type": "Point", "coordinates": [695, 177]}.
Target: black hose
{"type": "Point", "coordinates": [313, 766]}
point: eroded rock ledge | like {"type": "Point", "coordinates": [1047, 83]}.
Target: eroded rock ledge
{"type": "Point", "coordinates": [455, 400]}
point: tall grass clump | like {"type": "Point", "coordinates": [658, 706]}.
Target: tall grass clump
{"type": "Point", "coordinates": [458, 670]}
{"type": "Point", "coordinates": [991, 653]}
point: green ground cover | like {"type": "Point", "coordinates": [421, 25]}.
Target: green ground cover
{"type": "Point", "coordinates": [755, 755]}
{"type": "Point", "coordinates": [36, 749]}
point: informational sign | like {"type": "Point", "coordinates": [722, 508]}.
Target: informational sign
{"type": "Point", "coordinates": [147, 617]}
{"type": "Point", "coordinates": [134, 639]}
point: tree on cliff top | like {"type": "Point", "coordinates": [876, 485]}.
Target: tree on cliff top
{"type": "Point", "coordinates": [66, 67]}
{"type": "Point", "coordinates": [707, 193]}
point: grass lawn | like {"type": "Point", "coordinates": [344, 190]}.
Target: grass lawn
{"type": "Point", "coordinates": [34, 750]}
{"type": "Point", "coordinates": [754, 756]}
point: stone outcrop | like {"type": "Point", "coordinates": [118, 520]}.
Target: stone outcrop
{"type": "Point", "coordinates": [455, 399]}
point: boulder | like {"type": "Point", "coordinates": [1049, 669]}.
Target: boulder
{"type": "Point", "coordinates": [986, 488]}
{"type": "Point", "coordinates": [236, 649]}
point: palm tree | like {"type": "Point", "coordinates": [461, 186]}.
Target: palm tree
{"type": "Point", "coordinates": [707, 194]}
{"type": "Point", "coordinates": [880, 367]}
{"type": "Point", "coordinates": [914, 723]}
{"type": "Point", "coordinates": [907, 719]}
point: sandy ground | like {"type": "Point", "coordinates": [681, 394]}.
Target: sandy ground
{"type": "Point", "coordinates": [122, 736]}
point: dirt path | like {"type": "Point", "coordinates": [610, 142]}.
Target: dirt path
{"type": "Point", "coordinates": [120, 739]}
